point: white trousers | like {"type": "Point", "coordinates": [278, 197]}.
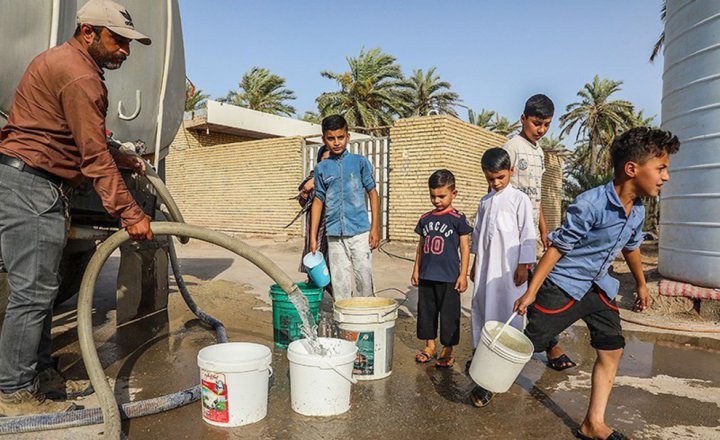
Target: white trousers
{"type": "Point", "coordinates": [350, 256]}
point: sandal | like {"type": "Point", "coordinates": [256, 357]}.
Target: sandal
{"type": "Point", "coordinates": [467, 367]}
{"type": "Point", "coordinates": [424, 357]}
{"type": "Point", "coordinates": [481, 397]}
{"type": "Point", "coordinates": [560, 363]}
{"type": "Point", "coordinates": [445, 362]}
{"type": "Point", "coordinates": [616, 435]}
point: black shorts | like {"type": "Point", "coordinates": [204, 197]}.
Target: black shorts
{"type": "Point", "coordinates": [555, 310]}
{"type": "Point", "coordinates": [438, 299]}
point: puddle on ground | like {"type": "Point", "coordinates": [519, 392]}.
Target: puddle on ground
{"type": "Point", "coordinates": [668, 386]}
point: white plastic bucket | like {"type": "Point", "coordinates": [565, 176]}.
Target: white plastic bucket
{"type": "Point", "coordinates": [501, 354]}
{"type": "Point", "coordinates": [234, 383]}
{"type": "Point", "coordinates": [320, 385]}
{"type": "Point", "coordinates": [369, 322]}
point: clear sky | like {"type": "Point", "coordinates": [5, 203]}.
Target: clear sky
{"type": "Point", "coordinates": [495, 53]}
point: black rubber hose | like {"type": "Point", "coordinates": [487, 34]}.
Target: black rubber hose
{"type": "Point", "coordinates": [204, 317]}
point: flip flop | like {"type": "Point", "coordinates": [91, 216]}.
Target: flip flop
{"type": "Point", "coordinates": [616, 435]}
{"type": "Point", "coordinates": [445, 362]}
{"type": "Point", "coordinates": [467, 367]}
{"type": "Point", "coordinates": [481, 397]}
{"type": "Point", "coordinates": [423, 357]}
{"type": "Point", "coordinates": [560, 363]}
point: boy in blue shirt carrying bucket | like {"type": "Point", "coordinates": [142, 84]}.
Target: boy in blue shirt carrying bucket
{"type": "Point", "coordinates": [341, 183]}
{"type": "Point", "coordinates": [571, 281]}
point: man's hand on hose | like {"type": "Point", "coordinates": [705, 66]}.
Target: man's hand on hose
{"type": "Point", "coordinates": [141, 230]}
{"type": "Point", "coordinates": [130, 161]}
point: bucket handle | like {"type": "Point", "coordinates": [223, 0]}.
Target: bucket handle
{"type": "Point", "coordinates": [502, 330]}
{"type": "Point", "coordinates": [350, 379]}
{"type": "Point", "coordinates": [270, 371]}
{"type": "Point", "coordinates": [402, 303]}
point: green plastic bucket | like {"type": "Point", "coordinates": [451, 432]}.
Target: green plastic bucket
{"type": "Point", "coordinates": [286, 321]}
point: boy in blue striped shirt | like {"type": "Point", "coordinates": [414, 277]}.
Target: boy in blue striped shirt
{"type": "Point", "coordinates": [572, 282]}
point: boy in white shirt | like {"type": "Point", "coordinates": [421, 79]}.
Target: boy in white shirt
{"type": "Point", "coordinates": [528, 162]}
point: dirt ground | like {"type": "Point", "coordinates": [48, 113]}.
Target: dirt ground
{"type": "Point", "coordinates": [668, 384]}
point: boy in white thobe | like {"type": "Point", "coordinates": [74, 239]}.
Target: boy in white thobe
{"type": "Point", "coordinates": [503, 242]}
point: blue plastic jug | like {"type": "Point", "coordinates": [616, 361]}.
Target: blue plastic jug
{"type": "Point", "coordinates": [317, 269]}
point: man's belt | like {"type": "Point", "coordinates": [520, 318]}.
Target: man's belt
{"type": "Point", "coordinates": [19, 165]}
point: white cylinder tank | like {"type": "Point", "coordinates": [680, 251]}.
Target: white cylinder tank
{"type": "Point", "coordinates": [690, 201]}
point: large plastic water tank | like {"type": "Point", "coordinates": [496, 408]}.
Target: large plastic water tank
{"type": "Point", "coordinates": [690, 201]}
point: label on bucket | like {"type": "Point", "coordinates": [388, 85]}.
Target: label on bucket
{"type": "Point", "coordinates": [365, 358]}
{"type": "Point", "coordinates": [214, 397]}
{"type": "Point", "coordinates": [389, 346]}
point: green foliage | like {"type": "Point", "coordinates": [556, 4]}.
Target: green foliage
{"type": "Point", "coordinates": [194, 99]}
{"type": "Point", "coordinates": [598, 119]}
{"type": "Point", "coordinates": [263, 91]}
{"type": "Point", "coordinates": [310, 116]}
{"type": "Point", "coordinates": [502, 125]}
{"type": "Point", "coordinates": [551, 143]}
{"type": "Point", "coordinates": [638, 119]}
{"type": "Point", "coordinates": [661, 39]}
{"type": "Point", "coordinates": [482, 119]}
{"type": "Point", "coordinates": [426, 94]}
{"type": "Point", "coordinates": [371, 92]}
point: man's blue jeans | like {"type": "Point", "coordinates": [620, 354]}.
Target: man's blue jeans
{"type": "Point", "coordinates": [33, 231]}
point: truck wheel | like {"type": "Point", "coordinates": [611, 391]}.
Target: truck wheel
{"type": "Point", "coordinates": [76, 257]}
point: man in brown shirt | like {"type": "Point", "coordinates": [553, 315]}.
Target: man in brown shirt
{"type": "Point", "coordinates": [55, 135]}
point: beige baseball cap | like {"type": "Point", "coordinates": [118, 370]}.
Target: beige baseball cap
{"type": "Point", "coordinates": [111, 15]}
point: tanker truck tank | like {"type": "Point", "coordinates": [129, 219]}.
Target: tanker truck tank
{"type": "Point", "coordinates": [146, 103]}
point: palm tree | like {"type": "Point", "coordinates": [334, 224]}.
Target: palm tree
{"type": "Point", "coordinates": [482, 119]}
{"type": "Point", "coordinates": [661, 39]}
{"type": "Point", "coordinates": [310, 116]}
{"type": "Point", "coordinates": [638, 119]}
{"type": "Point", "coordinates": [194, 99]}
{"type": "Point", "coordinates": [370, 94]}
{"type": "Point", "coordinates": [263, 91]}
{"type": "Point", "coordinates": [502, 125]}
{"type": "Point", "coordinates": [428, 95]}
{"type": "Point", "coordinates": [552, 143]}
{"type": "Point", "coordinates": [598, 118]}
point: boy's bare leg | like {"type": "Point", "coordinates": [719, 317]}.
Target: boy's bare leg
{"type": "Point", "coordinates": [603, 377]}
{"type": "Point", "coordinates": [427, 353]}
{"type": "Point", "coordinates": [430, 346]}
{"type": "Point", "coordinates": [555, 353]}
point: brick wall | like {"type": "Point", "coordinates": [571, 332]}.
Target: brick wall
{"type": "Point", "coordinates": [240, 187]}
{"type": "Point", "coordinates": [201, 138]}
{"type": "Point", "coordinates": [418, 147]}
{"type": "Point", "coordinates": [231, 184]}
{"type": "Point", "coordinates": [552, 191]}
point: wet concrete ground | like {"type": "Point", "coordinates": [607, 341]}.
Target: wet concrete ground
{"type": "Point", "coordinates": [668, 385]}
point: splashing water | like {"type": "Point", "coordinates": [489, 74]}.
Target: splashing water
{"type": "Point", "coordinates": [309, 327]}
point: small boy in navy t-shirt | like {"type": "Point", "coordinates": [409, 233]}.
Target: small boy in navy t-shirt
{"type": "Point", "coordinates": [440, 273]}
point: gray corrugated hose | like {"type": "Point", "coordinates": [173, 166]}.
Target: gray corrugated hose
{"type": "Point", "coordinates": [164, 193]}
{"type": "Point", "coordinates": [129, 410]}
{"type": "Point", "coordinates": [109, 406]}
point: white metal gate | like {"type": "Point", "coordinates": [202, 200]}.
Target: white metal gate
{"type": "Point", "coordinates": [376, 150]}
